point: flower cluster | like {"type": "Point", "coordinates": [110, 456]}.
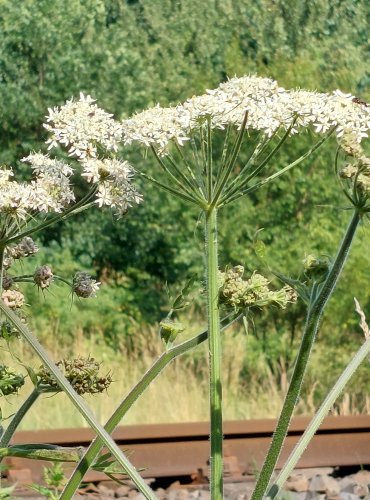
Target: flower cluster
{"type": "Point", "coordinates": [82, 126]}
{"type": "Point", "coordinates": [266, 106]}
{"type": "Point", "coordinates": [114, 180]}
{"type": "Point", "coordinates": [236, 292]}
{"type": "Point", "coordinates": [49, 191]}
{"type": "Point", "coordinates": [10, 381]}
{"type": "Point", "coordinates": [82, 373]}
{"type": "Point", "coordinates": [84, 286]}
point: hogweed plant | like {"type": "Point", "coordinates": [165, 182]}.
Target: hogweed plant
{"type": "Point", "coordinates": [255, 119]}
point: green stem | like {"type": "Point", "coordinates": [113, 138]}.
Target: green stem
{"type": "Point", "coordinates": [78, 402]}
{"type": "Point", "coordinates": [170, 190]}
{"type": "Point", "coordinates": [312, 324]}
{"type": "Point", "coordinates": [197, 182]}
{"type": "Point", "coordinates": [226, 172]}
{"type": "Point", "coordinates": [319, 417]}
{"type": "Point", "coordinates": [2, 252]}
{"type": "Point", "coordinates": [179, 179]}
{"type": "Point", "coordinates": [214, 341]}
{"type": "Point", "coordinates": [17, 419]}
{"type": "Point", "coordinates": [247, 190]}
{"type": "Point", "coordinates": [157, 367]}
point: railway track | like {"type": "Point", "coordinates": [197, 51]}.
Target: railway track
{"type": "Point", "coordinates": [180, 451]}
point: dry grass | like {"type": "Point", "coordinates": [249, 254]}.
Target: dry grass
{"type": "Point", "coordinates": [177, 395]}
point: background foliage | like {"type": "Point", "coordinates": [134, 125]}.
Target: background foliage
{"type": "Point", "coordinates": [132, 54]}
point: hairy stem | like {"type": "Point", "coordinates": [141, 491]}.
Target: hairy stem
{"type": "Point", "coordinates": [78, 402]}
{"type": "Point", "coordinates": [214, 342]}
{"type": "Point", "coordinates": [152, 373]}
{"type": "Point", "coordinates": [17, 419]}
{"type": "Point", "coordinates": [312, 324]}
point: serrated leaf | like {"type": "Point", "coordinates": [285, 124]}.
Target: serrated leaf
{"type": "Point", "coordinates": [301, 288]}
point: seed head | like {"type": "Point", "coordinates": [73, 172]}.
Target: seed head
{"type": "Point", "coordinates": [82, 373]}
{"type": "Point", "coordinates": [239, 293]}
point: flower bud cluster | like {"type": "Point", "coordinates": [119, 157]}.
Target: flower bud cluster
{"type": "Point", "coordinates": [10, 381]}
{"type": "Point", "coordinates": [82, 374]}
{"type": "Point", "coordinates": [43, 277]}
{"type": "Point", "coordinates": [84, 286]}
{"type": "Point", "coordinates": [358, 169]}
{"type": "Point", "coordinates": [236, 292]}
{"type": "Point", "coordinates": [25, 248]}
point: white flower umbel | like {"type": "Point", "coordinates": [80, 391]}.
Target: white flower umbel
{"type": "Point", "coordinates": [82, 126]}
{"type": "Point", "coordinates": [114, 180]}
{"type": "Point", "coordinates": [268, 107]}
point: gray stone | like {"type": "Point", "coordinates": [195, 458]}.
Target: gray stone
{"type": "Point", "coordinates": [104, 491]}
{"type": "Point", "coordinates": [122, 491]}
{"type": "Point", "coordinates": [297, 482]}
{"type": "Point", "coordinates": [139, 496]}
{"type": "Point", "coordinates": [180, 494]}
{"type": "Point", "coordinates": [347, 496]}
{"type": "Point", "coordinates": [362, 477]}
{"type": "Point", "coordinates": [314, 471]}
{"type": "Point", "coordinates": [324, 484]}
{"type": "Point", "coordinates": [347, 484]}
{"type": "Point", "coordinates": [361, 490]}
{"type": "Point", "coordinates": [204, 495]}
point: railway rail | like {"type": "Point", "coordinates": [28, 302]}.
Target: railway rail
{"type": "Point", "coordinates": [180, 451]}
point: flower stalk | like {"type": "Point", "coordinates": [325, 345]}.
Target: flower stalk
{"type": "Point", "coordinates": [312, 324]}
{"type": "Point", "coordinates": [17, 418]}
{"type": "Point", "coordinates": [151, 374]}
{"type": "Point", "coordinates": [215, 355]}
{"type": "Point", "coordinates": [78, 402]}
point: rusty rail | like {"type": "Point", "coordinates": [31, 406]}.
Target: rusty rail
{"type": "Point", "coordinates": [181, 450]}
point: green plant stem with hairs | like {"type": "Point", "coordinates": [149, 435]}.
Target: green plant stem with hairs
{"type": "Point", "coordinates": [215, 355]}
{"type": "Point", "coordinates": [78, 402]}
{"type": "Point", "coordinates": [314, 314]}
{"type": "Point", "coordinates": [17, 418]}
{"type": "Point", "coordinates": [315, 423]}
{"type": "Point", "coordinates": [151, 374]}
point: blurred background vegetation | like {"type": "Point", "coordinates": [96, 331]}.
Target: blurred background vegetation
{"type": "Point", "coordinates": [129, 55]}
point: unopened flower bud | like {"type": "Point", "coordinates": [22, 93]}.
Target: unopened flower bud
{"type": "Point", "coordinates": [10, 381]}
{"type": "Point", "coordinates": [316, 268]}
{"type": "Point", "coordinates": [169, 330]}
{"type": "Point", "coordinates": [84, 286]}
{"type": "Point", "coordinates": [7, 282]}
{"type": "Point", "coordinates": [13, 299]}
{"type": "Point", "coordinates": [43, 277]}
{"type": "Point", "coordinates": [24, 248]}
